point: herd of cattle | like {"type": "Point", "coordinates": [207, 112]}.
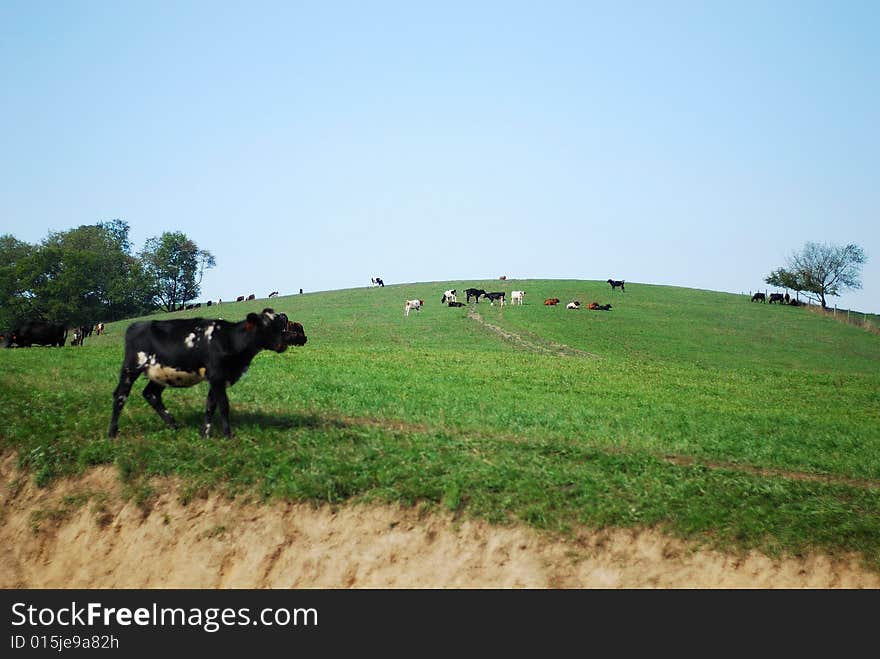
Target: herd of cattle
{"type": "Point", "coordinates": [450, 298]}
{"type": "Point", "coordinates": [779, 298]}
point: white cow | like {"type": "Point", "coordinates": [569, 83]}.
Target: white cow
{"type": "Point", "coordinates": [573, 305]}
{"type": "Point", "coordinates": [412, 304]}
{"type": "Point", "coordinates": [516, 297]}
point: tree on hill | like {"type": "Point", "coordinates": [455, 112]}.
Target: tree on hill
{"type": "Point", "coordinates": [821, 270]}
{"type": "Point", "coordinates": [75, 277]}
{"type": "Point", "coordinates": [175, 266]}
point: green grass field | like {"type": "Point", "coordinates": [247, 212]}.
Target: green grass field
{"type": "Point", "coordinates": [730, 423]}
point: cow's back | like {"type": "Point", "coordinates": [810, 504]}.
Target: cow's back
{"type": "Point", "coordinates": [185, 342]}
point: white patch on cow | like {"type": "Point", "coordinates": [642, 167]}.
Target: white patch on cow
{"type": "Point", "coordinates": [269, 315]}
{"type": "Point", "coordinates": [209, 330]}
{"type": "Point", "coordinates": [190, 340]}
{"type": "Point", "coordinates": [142, 358]}
{"type": "Point", "coordinates": [173, 377]}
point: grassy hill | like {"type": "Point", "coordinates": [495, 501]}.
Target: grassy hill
{"type": "Point", "coordinates": [734, 423]}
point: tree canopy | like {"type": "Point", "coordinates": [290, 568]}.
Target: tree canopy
{"type": "Point", "coordinates": [821, 270]}
{"type": "Point", "coordinates": [89, 274]}
{"type": "Point", "coordinates": [175, 265]}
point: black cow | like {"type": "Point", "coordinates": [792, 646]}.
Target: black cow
{"type": "Point", "coordinates": [184, 352]}
{"type": "Point", "coordinates": [492, 297]}
{"type": "Point", "coordinates": [37, 332]}
{"type": "Point", "coordinates": [776, 297]}
{"type": "Point", "coordinates": [759, 297]}
{"type": "Point", "coordinates": [474, 293]}
{"type": "Point", "coordinates": [452, 303]}
{"type": "Point", "coordinates": [240, 298]}
{"type": "Point", "coordinates": [273, 294]}
{"type": "Point", "coordinates": [616, 284]}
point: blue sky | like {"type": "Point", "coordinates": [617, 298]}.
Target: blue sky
{"type": "Point", "coordinates": [317, 144]}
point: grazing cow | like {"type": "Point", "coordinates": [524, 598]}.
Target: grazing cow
{"type": "Point", "coordinates": [37, 332]}
{"type": "Point", "coordinates": [273, 294]}
{"type": "Point", "coordinates": [99, 329]}
{"type": "Point", "coordinates": [412, 304]}
{"type": "Point", "coordinates": [574, 304]}
{"type": "Point", "coordinates": [209, 303]}
{"type": "Point", "coordinates": [448, 296]}
{"type": "Point", "coordinates": [775, 297]}
{"type": "Point", "coordinates": [453, 303]}
{"type": "Point", "coordinates": [240, 298]}
{"type": "Point", "coordinates": [551, 301]}
{"type": "Point", "coordinates": [503, 278]}
{"type": "Point", "coordinates": [184, 352]}
{"type": "Point", "coordinates": [474, 293]}
{"type": "Point", "coordinates": [377, 281]}
{"type": "Point", "coordinates": [595, 306]}
{"type": "Point", "coordinates": [615, 284]}
{"type": "Point", "coordinates": [759, 297]}
{"type": "Point", "coordinates": [251, 297]}
{"type": "Point", "coordinates": [79, 335]}
{"type": "Point", "coordinates": [795, 302]}
{"type": "Point", "coordinates": [516, 297]}
{"type": "Point", "coordinates": [497, 295]}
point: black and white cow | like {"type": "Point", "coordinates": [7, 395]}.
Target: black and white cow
{"type": "Point", "coordinates": [412, 304]}
{"type": "Point", "coordinates": [37, 332]}
{"type": "Point", "coordinates": [79, 335]}
{"type": "Point", "coordinates": [184, 352]}
{"type": "Point", "coordinates": [776, 297]}
{"type": "Point", "coordinates": [495, 296]}
{"type": "Point", "coordinates": [448, 296]}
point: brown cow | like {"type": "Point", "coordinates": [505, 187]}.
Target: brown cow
{"type": "Point", "coordinates": [552, 301]}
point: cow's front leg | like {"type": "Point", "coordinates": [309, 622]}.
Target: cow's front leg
{"type": "Point", "coordinates": [210, 406]}
{"type": "Point", "coordinates": [218, 391]}
{"type": "Point", "coordinates": [126, 379]}
{"type": "Point", "coordinates": [153, 394]}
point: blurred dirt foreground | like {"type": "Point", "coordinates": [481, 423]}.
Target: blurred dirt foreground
{"type": "Point", "coordinates": [83, 533]}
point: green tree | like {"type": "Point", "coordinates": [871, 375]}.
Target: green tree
{"type": "Point", "coordinates": [175, 266]}
{"type": "Point", "coordinates": [15, 289]}
{"type": "Point", "coordinates": [74, 277]}
{"type": "Point", "coordinates": [821, 270]}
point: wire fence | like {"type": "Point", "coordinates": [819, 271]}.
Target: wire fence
{"type": "Point", "coordinates": [866, 321]}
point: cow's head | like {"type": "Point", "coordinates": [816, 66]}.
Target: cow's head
{"type": "Point", "coordinates": [270, 328]}
{"type": "Point", "coordinates": [295, 335]}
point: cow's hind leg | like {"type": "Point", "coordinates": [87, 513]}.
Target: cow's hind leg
{"type": "Point", "coordinates": [126, 378]}
{"type": "Point", "coordinates": [153, 394]}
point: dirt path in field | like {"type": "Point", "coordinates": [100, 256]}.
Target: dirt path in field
{"type": "Point", "coordinates": [531, 342]}
{"type": "Point", "coordinates": [82, 533]}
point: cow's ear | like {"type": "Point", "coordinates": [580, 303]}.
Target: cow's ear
{"type": "Point", "coordinates": [251, 322]}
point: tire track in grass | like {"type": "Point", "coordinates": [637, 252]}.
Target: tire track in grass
{"type": "Point", "coordinates": [397, 426]}
{"type": "Point", "coordinates": [532, 343]}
